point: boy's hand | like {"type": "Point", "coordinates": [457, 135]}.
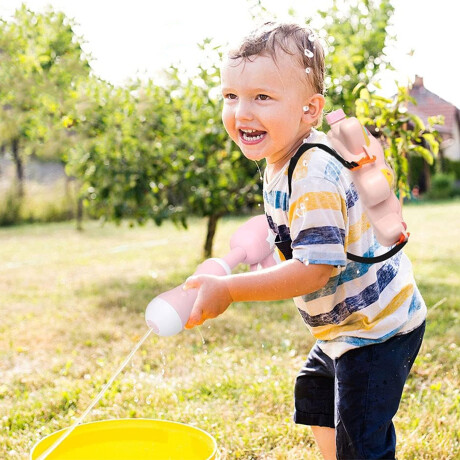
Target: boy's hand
{"type": "Point", "coordinates": [212, 300]}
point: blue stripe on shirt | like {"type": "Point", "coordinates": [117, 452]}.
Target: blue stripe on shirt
{"type": "Point", "coordinates": [281, 230]}
{"type": "Point", "coordinates": [351, 196]}
{"type": "Point", "coordinates": [354, 303]}
{"type": "Point", "coordinates": [277, 199]}
{"type": "Point", "coordinates": [352, 271]}
{"type": "Point", "coordinates": [333, 170]}
{"type": "Point", "coordinates": [320, 235]}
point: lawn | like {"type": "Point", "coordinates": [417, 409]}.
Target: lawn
{"type": "Point", "coordinates": [72, 306]}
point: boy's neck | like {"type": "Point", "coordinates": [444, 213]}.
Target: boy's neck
{"type": "Point", "coordinates": [274, 168]}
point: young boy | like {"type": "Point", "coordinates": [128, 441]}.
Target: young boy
{"type": "Point", "coordinates": [368, 318]}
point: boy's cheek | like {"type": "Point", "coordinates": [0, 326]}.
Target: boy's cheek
{"type": "Point", "coordinates": [230, 128]}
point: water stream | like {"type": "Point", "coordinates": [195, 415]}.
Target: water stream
{"type": "Point", "coordinates": [96, 399]}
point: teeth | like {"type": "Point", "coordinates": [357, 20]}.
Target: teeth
{"type": "Point", "coordinates": [249, 131]}
{"type": "Point", "coordinates": [252, 138]}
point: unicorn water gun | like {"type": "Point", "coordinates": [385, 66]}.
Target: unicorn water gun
{"type": "Point", "coordinates": [372, 177]}
{"type": "Point", "coordinates": [252, 244]}
{"type": "Point", "coordinates": [356, 149]}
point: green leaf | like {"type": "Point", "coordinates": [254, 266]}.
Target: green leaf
{"type": "Point", "coordinates": [433, 143]}
{"type": "Point", "coordinates": [420, 126]}
{"type": "Point", "coordinates": [424, 153]}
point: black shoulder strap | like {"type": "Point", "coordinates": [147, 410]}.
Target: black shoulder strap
{"type": "Point", "coordinates": [307, 146]}
{"type": "Point", "coordinates": [374, 260]}
{"type": "Point", "coordinates": [349, 165]}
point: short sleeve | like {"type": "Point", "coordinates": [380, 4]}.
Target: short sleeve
{"type": "Point", "coordinates": [317, 216]}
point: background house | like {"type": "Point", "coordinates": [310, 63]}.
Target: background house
{"type": "Point", "coordinates": [429, 104]}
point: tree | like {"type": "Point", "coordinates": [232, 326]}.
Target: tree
{"type": "Point", "coordinates": [356, 38]}
{"type": "Point", "coordinates": [118, 152]}
{"type": "Point", "coordinates": [40, 62]}
{"type": "Point", "coordinates": [161, 152]}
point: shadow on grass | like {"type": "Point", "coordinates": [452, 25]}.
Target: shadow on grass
{"type": "Point", "coordinates": [248, 321]}
{"type": "Point", "coordinates": [131, 296]}
{"type": "Point", "coordinates": [241, 325]}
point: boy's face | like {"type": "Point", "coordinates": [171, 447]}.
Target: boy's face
{"type": "Point", "coordinates": [263, 106]}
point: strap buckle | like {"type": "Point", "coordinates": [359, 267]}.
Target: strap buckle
{"type": "Point", "coordinates": [364, 161]}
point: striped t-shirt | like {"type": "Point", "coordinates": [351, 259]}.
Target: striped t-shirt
{"type": "Point", "coordinates": [361, 304]}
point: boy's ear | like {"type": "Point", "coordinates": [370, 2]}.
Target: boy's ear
{"type": "Point", "coordinates": [313, 109]}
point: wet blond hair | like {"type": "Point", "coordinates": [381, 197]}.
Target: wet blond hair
{"type": "Point", "coordinates": [293, 39]}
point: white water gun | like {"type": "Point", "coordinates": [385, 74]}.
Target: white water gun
{"type": "Point", "coordinates": [252, 244]}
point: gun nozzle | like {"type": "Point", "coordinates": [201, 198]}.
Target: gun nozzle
{"type": "Point", "coordinates": [153, 326]}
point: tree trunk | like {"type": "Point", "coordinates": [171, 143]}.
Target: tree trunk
{"type": "Point", "coordinates": [427, 175]}
{"type": "Point", "coordinates": [2, 152]}
{"type": "Point", "coordinates": [19, 167]}
{"type": "Point", "coordinates": [212, 226]}
{"type": "Point", "coordinates": [79, 216]}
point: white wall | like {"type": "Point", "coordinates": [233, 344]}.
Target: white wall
{"type": "Point", "coordinates": [452, 150]}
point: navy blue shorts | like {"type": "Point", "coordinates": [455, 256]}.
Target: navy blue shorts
{"type": "Point", "coordinates": [358, 394]}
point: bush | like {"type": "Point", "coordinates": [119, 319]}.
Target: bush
{"type": "Point", "coordinates": [451, 166]}
{"type": "Point", "coordinates": [40, 203]}
{"type": "Point", "coordinates": [442, 186]}
{"type": "Point", "coordinates": [10, 208]}
{"type": "Point", "coordinates": [48, 203]}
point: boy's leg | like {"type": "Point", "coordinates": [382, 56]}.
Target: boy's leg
{"type": "Point", "coordinates": [314, 400]}
{"type": "Point", "coordinates": [325, 438]}
{"type": "Point", "coordinates": [369, 385]}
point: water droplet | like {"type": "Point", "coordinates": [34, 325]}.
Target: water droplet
{"type": "Point", "coordinates": [308, 70]}
{"type": "Point", "coordinates": [260, 172]}
{"type": "Point", "coordinates": [308, 53]}
{"type": "Point", "coordinates": [301, 210]}
{"type": "Point", "coordinates": [312, 37]}
{"type": "Point", "coordinates": [203, 341]}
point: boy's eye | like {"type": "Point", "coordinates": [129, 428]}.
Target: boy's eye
{"type": "Point", "coordinates": [229, 96]}
{"type": "Point", "coordinates": [262, 97]}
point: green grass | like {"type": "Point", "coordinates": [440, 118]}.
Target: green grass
{"type": "Point", "coordinates": [71, 309]}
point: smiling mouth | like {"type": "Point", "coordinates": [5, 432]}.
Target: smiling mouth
{"type": "Point", "coordinates": [251, 136]}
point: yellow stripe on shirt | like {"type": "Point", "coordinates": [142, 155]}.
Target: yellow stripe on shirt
{"type": "Point", "coordinates": [316, 200]}
{"type": "Point", "coordinates": [301, 170]}
{"type": "Point", "coordinates": [359, 322]}
{"type": "Point", "coordinates": [357, 229]}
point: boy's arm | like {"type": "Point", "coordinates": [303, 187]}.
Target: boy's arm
{"type": "Point", "coordinates": [289, 279]}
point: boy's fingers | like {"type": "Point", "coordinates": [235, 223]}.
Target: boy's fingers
{"type": "Point", "coordinates": [195, 319]}
{"type": "Point", "coordinates": [196, 315]}
{"type": "Point", "coordinates": [191, 283]}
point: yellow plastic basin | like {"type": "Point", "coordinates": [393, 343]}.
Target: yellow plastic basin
{"type": "Point", "coordinates": [136, 439]}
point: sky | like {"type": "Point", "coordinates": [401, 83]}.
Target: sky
{"type": "Point", "coordinates": [130, 38]}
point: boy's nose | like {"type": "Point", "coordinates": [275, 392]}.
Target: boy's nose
{"type": "Point", "coordinates": [243, 111]}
